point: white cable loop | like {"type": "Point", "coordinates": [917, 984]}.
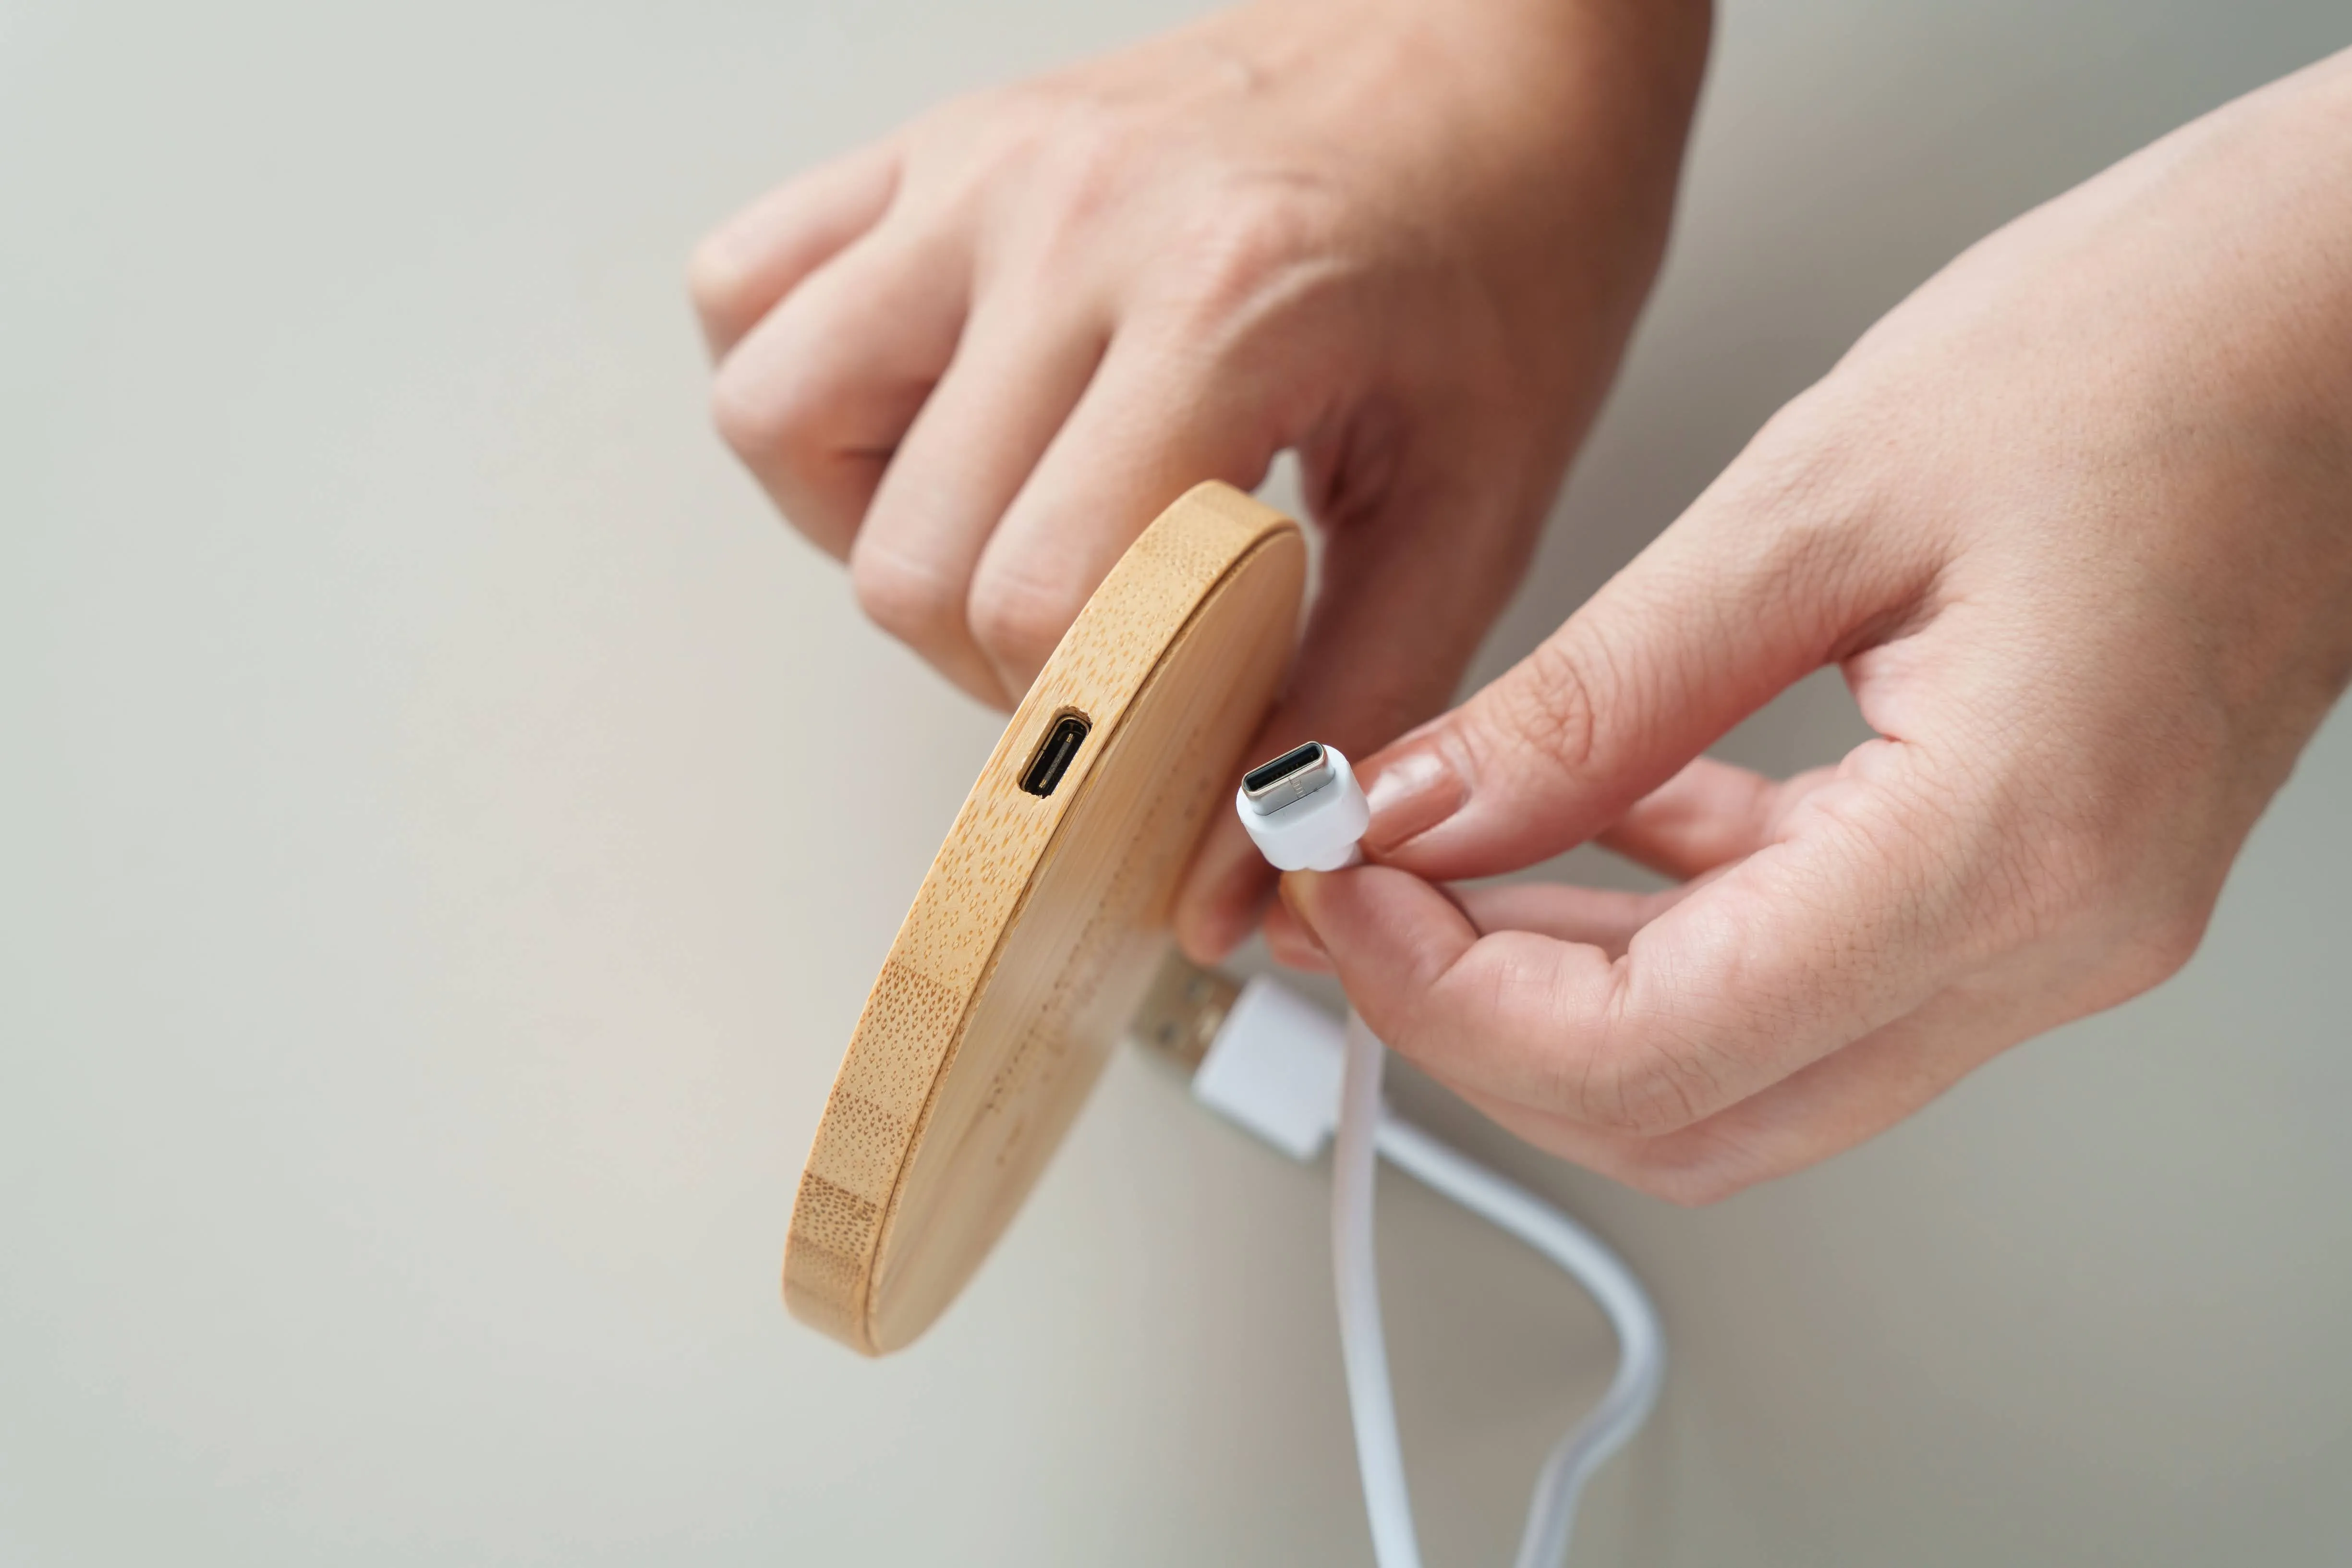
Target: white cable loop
{"type": "Point", "coordinates": [1367, 1128]}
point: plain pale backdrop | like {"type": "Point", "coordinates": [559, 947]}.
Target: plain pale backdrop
{"type": "Point", "coordinates": [448, 828]}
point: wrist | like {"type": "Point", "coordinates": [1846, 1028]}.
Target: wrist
{"type": "Point", "coordinates": [1636, 60]}
{"type": "Point", "coordinates": [1654, 50]}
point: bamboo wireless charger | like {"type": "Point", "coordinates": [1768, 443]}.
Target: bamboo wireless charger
{"type": "Point", "coordinates": [1036, 932]}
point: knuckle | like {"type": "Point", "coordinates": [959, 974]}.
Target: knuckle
{"type": "Point", "coordinates": [1085, 162]}
{"type": "Point", "coordinates": [1828, 453]}
{"type": "Point", "coordinates": [902, 596]}
{"type": "Point", "coordinates": [958, 146]}
{"type": "Point", "coordinates": [985, 117]}
{"type": "Point", "coordinates": [1264, 240]}
{"type": "Point", "coordinates": [1698, 1166]}
{"type": "Point", "coordinates": [1802, 458]}
{"type": "Point", "coordinates": [1553, 713]}
{"type": "Point", "coordinates": [765, 418]}
{"type": "Point", "coordinates": [1052, 160]}
{"type": "Point", "coordinates": [1643, 1090]}
{"type": "Point", "coordinates": [1018, 622]}
{"type": "Point", "coordinates": [1817, 477]}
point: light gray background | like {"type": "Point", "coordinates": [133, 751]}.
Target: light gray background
{"type": "Point", "coordinates": [432, 902]}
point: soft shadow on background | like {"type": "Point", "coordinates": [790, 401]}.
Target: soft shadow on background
{"type": "Point", "coordinates": [430, 910]}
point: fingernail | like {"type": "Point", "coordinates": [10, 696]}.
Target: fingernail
{"type": "Point", "coordinates": [1414, 791]}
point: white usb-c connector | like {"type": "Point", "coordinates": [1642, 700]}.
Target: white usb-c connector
{"type": "Point", "coordinates": [1304, 810]}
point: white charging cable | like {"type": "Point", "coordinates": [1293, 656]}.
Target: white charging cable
{"type": "Point", "coordinates": [1283, 1068]}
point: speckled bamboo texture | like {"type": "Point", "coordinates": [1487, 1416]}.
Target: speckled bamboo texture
{"type": "Point", "coordinates": [1038, 922]}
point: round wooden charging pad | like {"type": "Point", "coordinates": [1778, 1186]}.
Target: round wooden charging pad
{"type": "Point", "coordinates": [1041, 921]}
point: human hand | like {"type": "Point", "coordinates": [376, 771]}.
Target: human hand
{"type": "Point", "coordinates": [2076, 522]}
{"type": "Point", "coordinates": [1406, 241]}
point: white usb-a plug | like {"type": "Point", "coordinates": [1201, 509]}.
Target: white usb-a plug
{"type": "Point", "coordinates": [1275, 1068]}
{"type": "Point", "coordinates": [1260, 1054]}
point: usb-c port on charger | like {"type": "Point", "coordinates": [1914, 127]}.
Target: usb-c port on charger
{"type": "Point", "coordinates": [1052, 758]}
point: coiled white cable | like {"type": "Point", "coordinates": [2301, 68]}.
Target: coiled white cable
{"type": "Point", "coordinates": [1641, 1340]}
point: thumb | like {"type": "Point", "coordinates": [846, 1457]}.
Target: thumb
{"type": "Point", "coordinates": [1759, 585]}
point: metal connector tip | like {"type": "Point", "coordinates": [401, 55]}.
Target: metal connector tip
{"type": "Point", "coordinates": [1180, 1013]}
{"type": "Point", "coordinates": [1292, 777]}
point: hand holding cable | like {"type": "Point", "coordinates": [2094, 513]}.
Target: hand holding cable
{"type": "Point", "coordinates": [2073, 523]}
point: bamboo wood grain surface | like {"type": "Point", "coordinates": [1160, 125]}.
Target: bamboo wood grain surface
{"type": "Point", "coordinates": [1041, 919]}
